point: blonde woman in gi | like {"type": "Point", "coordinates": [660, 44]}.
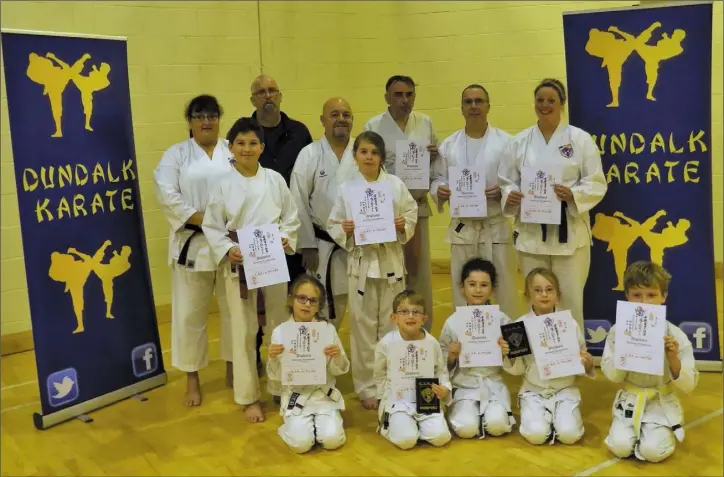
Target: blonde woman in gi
{"type": "Point", "coordinates": [564, 248]}
{"type": "Point", "coordinates": [183, 178]}
{"type": "Point", "coordinates": [249, 195]}
{"type": "Point", "coordinates": [376, 272]}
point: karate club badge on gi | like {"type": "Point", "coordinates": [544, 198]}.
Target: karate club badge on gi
{"type": "Point", "coordinates": [426, 400]}
{"type": "Point", "coordinates": [566, 151]}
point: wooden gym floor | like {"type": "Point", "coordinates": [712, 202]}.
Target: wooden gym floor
{"type": "Point", "coordinates": [160, 437]}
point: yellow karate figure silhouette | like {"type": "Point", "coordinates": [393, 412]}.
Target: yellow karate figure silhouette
{"type": "Point", "coordinates": [621, 236]}
{"type": "Point", "coordinates": [615, 51]}
{"type": "Point", "coordinates": [75, 273]}
{"type": "Point", "coordinates": [55, 74]}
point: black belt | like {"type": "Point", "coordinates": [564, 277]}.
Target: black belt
{"type": "Point", "coordinates": [185, 249]}
{"type": "Point", "coordinates": [562, 229]}
{"type": "Point", "coordinates": [323, 235]}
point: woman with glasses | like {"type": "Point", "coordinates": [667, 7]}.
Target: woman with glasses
{"type": "Point", "coordinates": [183, 178]}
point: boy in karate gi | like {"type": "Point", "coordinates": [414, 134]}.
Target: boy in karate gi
{"type": "Point", "coordinates": [647, 415]}
{"type": "Point", "coordinates": [399, 421]}
{"type": "Point", "coordinates": [249, 195]}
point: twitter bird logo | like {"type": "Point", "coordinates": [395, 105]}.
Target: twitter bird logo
{"type": "Point", "coordinates": [62, 387]}
{"type": "Point", "coordinates": [596, 333]}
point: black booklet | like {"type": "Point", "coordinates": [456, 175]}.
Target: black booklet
{"type": "Point", "coordinates": [427, 401]}
{"type": "Point", "coordinates": [514, 333]}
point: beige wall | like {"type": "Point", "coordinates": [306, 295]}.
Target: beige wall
{"type": "Point", "coordinates": [315, 50]}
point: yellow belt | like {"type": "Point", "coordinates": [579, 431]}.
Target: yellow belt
{"type": "Point", "coordinates": [643, 395]}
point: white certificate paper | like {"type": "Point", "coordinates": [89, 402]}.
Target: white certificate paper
{"type": "Point", "coordinates": [540, 204]}
{"type": "Point", "coordinates": [371, 208]}
{"type": "Point", "coordinates": [554, 342]}
{"type": "Point", "coordinates": [412, 164]}
{"type": "Point", "coordinates": [303, 360]}
{"type": "Point", "coordinates": [410, 360]}
{"type": "Point", "coordinates": [478, 329]}
{"type": "Point", "coordinates": [467, 187]}
{"type": "Point", "coordinates": [640, 330]}
{"type": "Point", "coordinates": [264, 260]}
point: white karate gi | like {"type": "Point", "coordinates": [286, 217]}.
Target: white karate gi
{"type": "Point", "coordinates": [481, 401]}
{"type": "Point", "coordinates": [315, 182]}
{"type": "Point", "coordinates": [419, 128]}
{"type": "Point", "coordinates": [376, 275]}
{"type": "Point", "coordinates": [647, 415]}
{"type": "Point", "coordinates": [549, 408]}
{"type": "Point", "coordinates": [398, 419]}
{"type": "Point", "coordinates": [583, 173]}
{"type": "Point", "coordinates": [311, 413]}
{"type": "Point", "coordinates": [183, 178]}
{"type": "Point", "coordinates": [237, 202]}
{"type": "Point", "coordinates": [489, 237]}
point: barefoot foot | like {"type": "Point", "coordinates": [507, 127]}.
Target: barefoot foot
{"type": "Point", "coordinates": [253, 413]}
{"type": "Point", "coordinates": [193, 390]}
{"type": "Point", "coordinates": [370, 403]}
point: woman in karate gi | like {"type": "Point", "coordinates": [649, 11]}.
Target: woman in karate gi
{"type": "Point", "coordinates": [183, 178]}
{"type": "Point", "coordinates": [248, 195]}
{"type": "Point", "coordinates": [478, 144]}
{"type": "Point", "coordinates": [564, 248]}
{"type": "Point", "coordinates": [376, 272]}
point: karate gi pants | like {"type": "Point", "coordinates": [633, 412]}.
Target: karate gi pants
{"type": "Point", "coordinates": [404, 430]}
{"type": "Point", "coordinates": [191, 294]}
{"type": "Point", "coordinates": [369, 322]}
{"type": "Point", "coordinates": [466, 420]}
{"type": "Point", "coordinates": [301, 432]}
{"type": "Point", "coordinates": [572, 273]}
{"type": "Point", "coordinates": [655, 444]}
{"type": "Point", "coordinates": [506, 267]}
{"type": "Point", "coordinates": [421, 282]}
{"type": "Point", "coordinates": [540, 417]}
{"type": "Point", "coordinates": [244, 327]}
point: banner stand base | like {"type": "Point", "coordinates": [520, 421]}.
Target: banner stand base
{"type": "Point", "coordinates": [43, 422]}
{"type": "Point", "coordinates": [84, 418]}
{"type": "Point", "coordinates": [701, 366]}
{"type": "Point", "coordinates": [140, 397]}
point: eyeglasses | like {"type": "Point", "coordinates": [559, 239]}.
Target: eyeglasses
{"type": "Point", "coordinates": [547, 291]}
{"type": "Point", "coordinates": [266, 92]}
{"type": "Point", "coordinates": [201, 117]}
{"type": "Point", "coordinates": [304, 299]}
{"type": "Point", "coordinates": [415, 313]}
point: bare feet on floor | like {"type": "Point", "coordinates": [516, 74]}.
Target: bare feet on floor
{"type": "Point", "coordinates": [370, 403]}
{"type": "Point", "coordinates": [253, 412]}
{"type": "Point", "coordinates": [193, 390]}
{"type": "Point", "coordinates": [229, 374]}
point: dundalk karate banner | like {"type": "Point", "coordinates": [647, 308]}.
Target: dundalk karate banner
{"type": "Point", "coordinates": [91, 302]}
{"type": "Point", "coordinates": [640, 83]}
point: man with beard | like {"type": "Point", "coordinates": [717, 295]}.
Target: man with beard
{"type": "Point", "coordinates": [284, 138]}
{"type": "Point", "coordinates": [319, 171]}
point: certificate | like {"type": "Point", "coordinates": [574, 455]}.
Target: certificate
{"type": "Point", "coordinates": [639, 345]}
{"type": "Point", "coordinates": [554, 341]}
{"type": "Point", "coordinates": [412, 164]}
{"type": "Point", "coordinates": [478, 329]}
{"type": "Point", "coordinates": [467, 191]}
{"type": "Point", "coordinates": [540, 204]}
{"type": "Point", "coordinates": [303, 360]}
{"type": "Point", "coordinates": [410, 360]}
{"type": "Point", "coordinates": [371, 209]}
{"type": "Point", "coordinates": [264, 260]}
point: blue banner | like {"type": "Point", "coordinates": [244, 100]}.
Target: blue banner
{"type": "Point", "coordinates": [91, 302]}
{"type": "Point", "coordinates": [639, 81]}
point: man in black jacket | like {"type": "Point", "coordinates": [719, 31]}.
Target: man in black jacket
{"type": "Point", "coordinates": [284, 138]}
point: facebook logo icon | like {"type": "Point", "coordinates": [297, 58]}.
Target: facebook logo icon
{"type": "Point", "coordinates": [144, 359]}
{"type": "Point", "coordinates": [700, 335]}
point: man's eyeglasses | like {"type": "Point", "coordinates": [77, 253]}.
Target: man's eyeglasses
{"type": "Point", "coordinates": [304, 299]}
{"type": "Point", "coordinates": [266, 92]}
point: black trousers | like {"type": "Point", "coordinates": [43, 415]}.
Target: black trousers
{"type": "Point", "coordinates": [294, 262]}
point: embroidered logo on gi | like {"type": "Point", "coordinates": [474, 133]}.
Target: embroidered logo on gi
{"type": "Point", "coordinates": [566, 151]}
{"type": "Point", "coordinates": [322, 173]}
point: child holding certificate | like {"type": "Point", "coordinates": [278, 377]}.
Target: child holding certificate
{"type": "Point", "coordinates": [250, 195]}
{"type": "Point", "coordinates": [549, 408]}
{"type": "Point", "coordinates": [481, 401]}
{"type": "Point", "coordinates": [647, 414]}
{"type": "Point", "coordinates": [376, 270]}
{"type": "Point", "coordinates": [413, 384]}
{"type": "Point", "coordinates": [311, 411]}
